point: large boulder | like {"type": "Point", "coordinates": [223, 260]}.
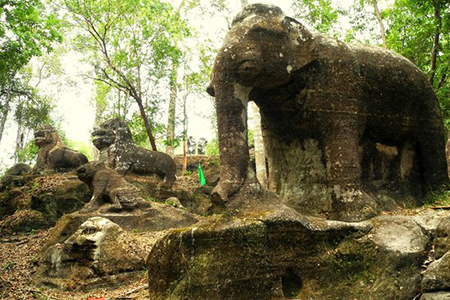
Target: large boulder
{"type": "Point", "coordinates": [99, 253]}
{"type": "Point", "coordinates": [24, 220]}
{"type": "Point", "coordinates": [436, 296]}
{"type": "Point", "coordinates": [156, 218]}
{"type": "Point", "coordinates": [53, 195]}
{"type": "Point", "coordinates": [437, 275]}
{"type": "Point", "coordinates": [281, 254]}
{"type": "Point", "coordinates": [442, 237]}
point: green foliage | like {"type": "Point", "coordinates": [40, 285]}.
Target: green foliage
{"type": "Point", "coordinates": [28, 154]}
{"type": "Point", "coordinates": [131, 44]}
{"type": "Point", "coordinates": [212, 148]}
{"type": "Point", "coordinates": [438, 199]}
{"type": "Point", "coordinates": [413, 25]}
{"type": "Point", "coordinates": [26, 30]}
{"type": "Point", "coordinates": [251, 139]}
{"type": "Point", "coordinates": [322, 15]}
{"type": "Point", "coordinates": [9, 265]}
{"type": "Point", "coordinates": [81, 147]}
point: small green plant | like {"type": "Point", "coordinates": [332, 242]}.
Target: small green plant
{"type": "Point", "coordinates": [438, 199]}
{"type": "Point", "coordinates": [151, 199]}
{"type": "Point", "coordinates": [9, 265]}
{"type": "Point", "coordinates": [188, 172]}
{"type": "Point", "coordinates": [33, 187]}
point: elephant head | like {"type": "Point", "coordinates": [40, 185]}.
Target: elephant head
{"type": "Point", "coordinates": [263, 49]}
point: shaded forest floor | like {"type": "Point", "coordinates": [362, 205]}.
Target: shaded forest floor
{"type": "Point", "coordinates": [19, 262]}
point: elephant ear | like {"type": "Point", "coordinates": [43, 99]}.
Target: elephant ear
{"type": "Point", "coordinates": [297, 31]}
{"type": "Point", "coordinates": [302, 41]}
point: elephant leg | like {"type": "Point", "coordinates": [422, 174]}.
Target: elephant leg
{"type": "Point", "coordinates": [231, 105]}
{"type": "Point", "coordinates": [343, 160]}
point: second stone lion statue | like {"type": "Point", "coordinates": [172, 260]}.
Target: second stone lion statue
{"type": "Point", "coordinates": [124, 156]}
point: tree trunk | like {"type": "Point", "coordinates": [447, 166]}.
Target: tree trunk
{"type": "Point", "coordinates": [172, 109]}
{"type": "Point", "coordinates": [99, 109]}
{"type": "Point", "coordinates": [448, 154]}
{"type": "Point", "coordinates": [5, 110]}
{"type": "Point", "coordinates": [146, 123]}
{"type": "Point", "coordinates": [380, 22]}
{"type": "Point", "coordinates": [185, 127]}
{"type": "Point", "coordinates": [20, 143]}
{"type": "Point", "coordinates": [260, 155]}
{"type": "Point", "coordinates": [437, 33]}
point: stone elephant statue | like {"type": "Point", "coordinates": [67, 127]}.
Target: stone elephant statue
{"type": "Point", "coordinates": [344, 125]}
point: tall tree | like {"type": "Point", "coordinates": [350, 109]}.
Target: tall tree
{"type": "Point", "coordinates": [376, 11]}
{"type": "Point", "coordinates": [420, 30]}
{"type": "Point", "coordinates": [27, 30]}
{"type": "Point", "coordinates": [130, 44]}
{"type": "Point", "coordinates": [171, 120]}
{"type": "Point", "coordinates": [194, 80]}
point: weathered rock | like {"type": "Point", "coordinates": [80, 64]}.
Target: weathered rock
{"type": "Point", "coordinates": [436, 296]}
{"type": "Point", "coordinates": [174, 202]}
{"type": "Point", "coordinates": [18, 169]}
{"type": "Point", "coordinates": [53, 195]}
{"type": "Point", "coordinates": [437, 275]}
{"type": "Point", "coordinates": [124, 156]}
{"type": "Point", "coordinates": [108, 187]}
{"type": "Point", "coordinates": [59, 195]}
{"type": "Point", "coordinates": [344, 134]}
{"type": "Point", "coordinates": [282, 254]}
{"type": "Point", "coordinates": [96, 255]}
{"type": "Point", "coordinates": [442, 237]}
{"type": "Point", "coordinates": [53, 155]}
{"type": "Point", "coordinates": [156, 218]}
{"type": "Point", "coordinates": [23, 221]}
{"type": "Point", "coordinates": [409, 236]}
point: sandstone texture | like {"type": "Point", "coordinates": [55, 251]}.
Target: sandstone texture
{"type": "Point", "coordinates": [282, 254]}
{"type": "Point", "coordinates": [349, 129]}
{"type": "Point", "coordinates": [124, 156]}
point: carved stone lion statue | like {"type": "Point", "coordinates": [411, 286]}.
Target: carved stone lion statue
{"type": "Point", "coordinates": [124, 156]}
{"type": "Point", "coordinates": [345, 126]}
{"type": "Point", "coordinates": [109, 187]}
{"type": "Point", "coordinates": [52, 154]}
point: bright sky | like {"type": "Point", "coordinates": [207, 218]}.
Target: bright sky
{"type": "Point", "coordinates": [76, 109]}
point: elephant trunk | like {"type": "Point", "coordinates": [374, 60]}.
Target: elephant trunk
{"type": "Point", "coordinates": [231, 105]}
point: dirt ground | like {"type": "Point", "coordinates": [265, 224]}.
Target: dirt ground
{"type": "Point", "coordinates": [19, 262]}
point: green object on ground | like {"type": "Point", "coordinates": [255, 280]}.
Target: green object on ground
{"type": "Point", "coordinates": [201, 178]}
